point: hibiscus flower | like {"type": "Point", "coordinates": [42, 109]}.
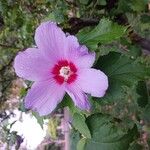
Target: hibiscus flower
{"type": "Point", "coordinates": [57, 66]}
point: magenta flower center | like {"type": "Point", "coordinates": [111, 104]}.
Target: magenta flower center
{"type": "Point", "coordinates": [64, 71]}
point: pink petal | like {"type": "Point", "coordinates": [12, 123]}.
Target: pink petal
{"type": "Point", "coordinates": [79, 54]}
{"type": "Point", "coordinates": [78, 96]}
{"type": "Point", "coordinates": [31, 65]}
{"type": "Point", "coordinates": [93, 81]}
{"type": "Point", "coordinates": [73, 43]}
{"type": "Point", "coordinates": [43, 97]}
{"type": "Point", "coordinates": [85, 61]}
{"type": "Point", "coordinates": [51, 40]}
{"type": "Point", "coordinates": [75, 47]}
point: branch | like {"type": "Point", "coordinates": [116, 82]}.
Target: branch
{"type": "Point", "coordinates": [143, 42]}
{"type": "Point", "coordinates": [78, 23]}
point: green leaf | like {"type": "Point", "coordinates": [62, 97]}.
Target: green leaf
{"type": "Point", "coordinates": [102, 2]}
{"type": "Point", "coordinates": [131, 5]}
{"type": "Point", "coordinates": [105, 32]}
{"type": "Point", "coordinates": [143, 94]}
{"type": "Point", "coordinates": [84, 1]}
{"type": "Point", "coordinates": [138, 5]}
{"type": "Point", "coordinates": [134, 51]}
{"type": "Point", "coordinates": [121, 71]}
{"type": "Point", "coordinates": [21, 107]}
{"type": "Point", "coordinates": [106, 48]}
{"type": "Point", "coordinates": [145, 18]}
{"type": "Point", "coordinates": [108, 133]}
{"type": "Point", "coordinates": [124, 6]}
{"type": "Point", "coordinates": [136, 146]}
{"type": "Point", "coordinates": [40, 119]}
{"type": "Point", "coordinates": [50, 16]}
{"type": "Point", "coordinates": [74, 139]}
{"type": "Point", "coordinates": [23, 92]}
{"type": "Point", "coordinates": [67, 102]}
{"type": "Point", "coordinates": [80, 125]}
{"type": "Point", "coordinates": [146, 113]}
{"type": "Point", "coordinates": [81, 144]}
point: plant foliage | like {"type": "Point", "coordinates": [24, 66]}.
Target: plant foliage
{"type": "Point", "coordinates": [118, 32]}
